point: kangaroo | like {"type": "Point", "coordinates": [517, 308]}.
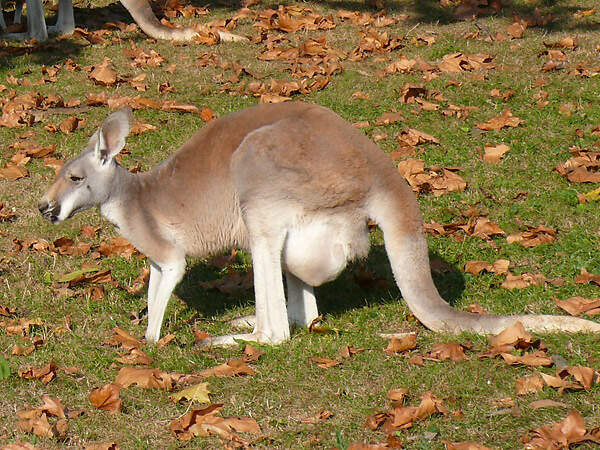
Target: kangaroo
{"type": "Point", "coordinates": [293, 183]}
{"type": "Point", "coordinates": [140, 10]}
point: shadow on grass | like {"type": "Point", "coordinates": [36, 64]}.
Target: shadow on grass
{"type": "Point", "coordinates": [47, 53]}
{"type": "Point", "coordinates": [419, 11]}
{"type": "Point", "coordinates": [335, 298]}
{"type": "Point", "coordinates": [431, 12]}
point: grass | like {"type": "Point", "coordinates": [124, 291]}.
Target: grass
{"type": "Point", "coordinates": [286, 387]}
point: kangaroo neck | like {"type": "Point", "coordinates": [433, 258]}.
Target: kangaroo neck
{"type": "Point", "coordinates": [121, 196]}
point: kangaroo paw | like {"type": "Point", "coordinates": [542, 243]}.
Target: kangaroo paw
{"type": "Point", "coordinates": [243, 322]}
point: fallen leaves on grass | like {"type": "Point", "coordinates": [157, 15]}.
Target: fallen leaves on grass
{"type": "Point", "coordinates": [449, 350]}
{"type": "Point", "coordinates": [117, 246]}
{"type": "Point", "coordinates": [5, 213]}
{"type": "Point", "coordinates": [71, 124]}
{"type": "Point", "coordinates": [546, 403]}
{"type": "Point", "coordinates": [499, 267]}
{"type": "Point", "coordinates": [252, 353]}
{"type": "Point", "coordinates": [403, 417]}
{"type": "Point", "coordinates": [21, 326]}
{"type": "Point", "coordinates": [141, 58]}
{"type": "Point", "coordinates": [150, 378]}
{"type": "Point", "coordinates": [507, 119]}
{"type": "Point", "coordinates": [388, 118]}
{"type": "Point", "coordinates": [592, 196]}
{"type": "Point", "coordinates": [41, 427]}
{"type": "Point", "coordinates": [587, 277]}
{"type": "Point", "coordinates": [437, 180]}
{"type": "Point", "coordinates": [92, 275]}
{"type": "Point", "coordinates": [45, 374]}
{"type": "Point", "coordinates": [401, 344]}
{"type": "Point", "coordinates": [322, 416]}
{"type": "Point", "coordinates": [582, 167]}
{"type": "Point", "coordinates": [103, 73]}
{"type": "Point", "coordinates": [513, 336]}
{"type": "Point", "coordinates": [374, 42]}
{"type": "Point", "coordinates": [206, 421]}
{"type": "Point", "coordinates": [571, 430]}
{"type": "Point", "coordinates": [165, 340]}
{"type": "Point", "coordinates": [461, 62]}
{"type": "Point", "coordinates": [568, 43]}
{"type": "Point", "coordinates": [231, 368]}
{"type": "Point", "coordinates": [465, 445]}
{"type": "Point", "coordinates": [324, 363]}
{"type": "Point", "coordinates": [516, 346]}
{"type": "Point", "coordinates": [102, 446]}
{"type": "Point", "coordinates": [584, 378]}
{"type": "Point", "coordinates": [349, 351]}
{"type": "Point", "coordinates": [67, 246]}
{"type": "Point", "coordinates": [106, 398]}
{"type": "Point", "coordinates": [122, 338]}
{"type": "Point", "coordinates": [494, 153]}
{"type": "Point", "coordinates": [52, 407]}
{"type": "Point", "coordinates": [138, 285]}
{"type": "Point", "coordinates": [139, 127]}
{"type": "Point", "coordinates": [135, 357]}
{"type": "Point", "coordinates": [529, 385]}
{"type": "Point", "coordinates": [577, 306]}
{"type": "Point", "coordinates": [7, 311]}
{"type": "Point", "coordinates": [35, 341]}
{"type": "Point", "coordinates": [525, 280]}
{"type": "Point", "coordinates": [368, 280]}
{"type": "Point", "coordinates": [90, 231]}
{"type": "Point", "coordinates": [533, 236]}
{"type": "Point", "coordinates": [12, 172]}
{"type": "Point", "coordinates": [535, 359]}
{"type": "Point", "coordinates": [397, 396]}
{"type": "Point", "coordinates": [412, 137]}
{"type": "Point", "coordinates": [196, 393]}
{"type": "Point", "coordinates": [116, 101]}
{"type": "Point", "coordinates": [478, 226]}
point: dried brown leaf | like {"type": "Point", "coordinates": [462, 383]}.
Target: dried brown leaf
{"type": "Point", "coordinates": [579, 305]}
{"type": "Point", "coordinates": [324, 363]}
{"type": "Point", "coordinates": [103, 74]}
{"type": "Point", "coordinates": [135, 357]}
{"type": "Point", "coordinates": [529, 385]}
{"type": "Point", "coordinates": [106, 398]}
{"type": "Point", "coordinates": [229, 369]}
{"type": "Point", "coordinates": [401, 344]}
{"type": "Point", "coordinates": [505, 120]}
{"type": "Point", "coordinates": [450, 350]}
{"type": "Point", "coordinates": [499, 267]}
{"type": "Point", "coordinates": [494, 153]}
{"type": "Point", "coordinates": [122, 338]}
{"type": "Point", "coordinates": [45, 374]}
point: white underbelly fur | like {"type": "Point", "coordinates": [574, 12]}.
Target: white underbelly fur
{"type": "Point", "coordinates": [318, 251]}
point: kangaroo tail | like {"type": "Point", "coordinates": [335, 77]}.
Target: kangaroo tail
{"type": "Point", "coordinates": [396, 211]}
{"type": "Point", "coordinates": [143, 15]}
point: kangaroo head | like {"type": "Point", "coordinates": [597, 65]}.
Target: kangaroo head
{"type": "Point", "coordinates": [86, 181]}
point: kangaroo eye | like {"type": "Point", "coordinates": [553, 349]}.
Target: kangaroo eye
{"type": "Point", "coordinates": [75, 178]}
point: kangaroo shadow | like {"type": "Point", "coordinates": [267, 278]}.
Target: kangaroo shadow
{"type": "Point", "coordinates": [366, 282]}
{"type": "Point", "coordinates": [419, 12]}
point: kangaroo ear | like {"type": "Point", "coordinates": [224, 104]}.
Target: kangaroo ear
{"type": "Point", "coordinates": [111, 135]}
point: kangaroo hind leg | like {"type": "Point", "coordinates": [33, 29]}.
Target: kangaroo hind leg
{"type": "Point", "coordinates": [271, 322]}
{"type": "Point", "coordinates": [302, 304]}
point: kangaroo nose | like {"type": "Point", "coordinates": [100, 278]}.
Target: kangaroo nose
{"type": "Point", "coordinates": [43, 206]}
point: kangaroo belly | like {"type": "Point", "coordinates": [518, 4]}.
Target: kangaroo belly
{"type": "Point", "coordinates": [318, 251]}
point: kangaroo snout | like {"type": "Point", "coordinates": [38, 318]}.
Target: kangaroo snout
{"type": "Point", "coordinates": [49, 210]}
